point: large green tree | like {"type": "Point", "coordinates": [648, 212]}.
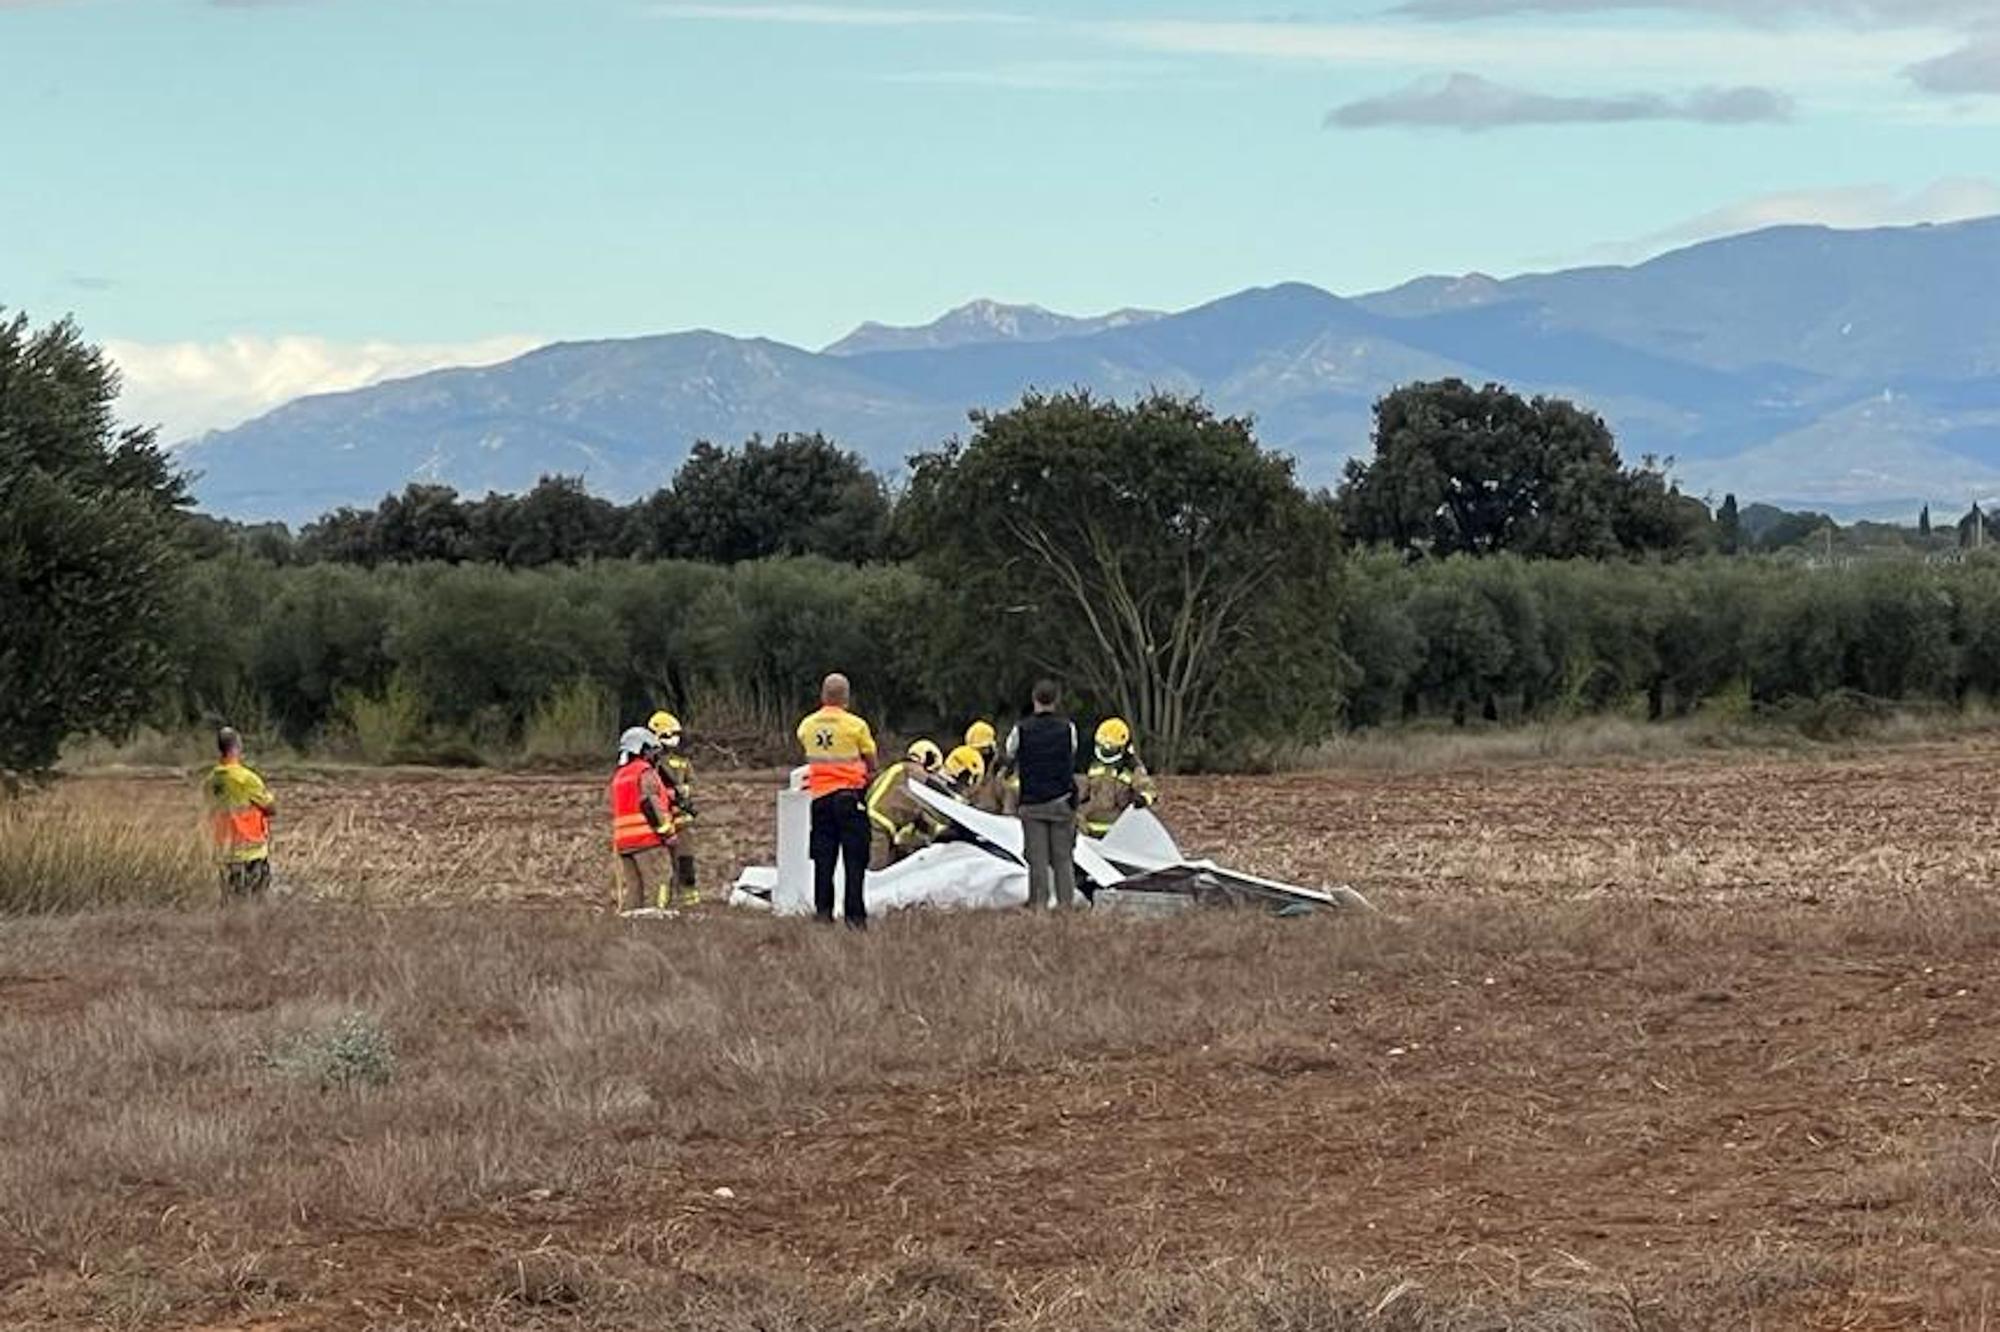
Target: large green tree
{"type": "Point", "coordinates": [1477, 471]}
{"type": "Point", "coordinates": [1153, 555]}
{"type": "Point", "coordinates": [89, 548]}
{"type": "Point", "coordinates": [796, 495]}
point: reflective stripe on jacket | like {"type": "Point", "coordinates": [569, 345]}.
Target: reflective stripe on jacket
{"type": "Point", "coordinates": [631, 786]}
{"type": "Point", "coordinates": [239, 813]}
{"type": "Point", "coordinates": [1109, 790]}
{"type": "Point", "coordinates": [893, 810]}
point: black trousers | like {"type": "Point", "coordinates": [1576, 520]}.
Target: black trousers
{"type": "Point", "coordinates": [840, 836]}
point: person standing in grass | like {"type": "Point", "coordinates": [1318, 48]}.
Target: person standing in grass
{"type": "Point", "coordinates": [240, 807]}
{"type": "Point", "coordinates": [1041, 753]}
{"type": "Point", "coordinates": [840, 763]}
{"type": "Point", "coordinates": [642, 823]}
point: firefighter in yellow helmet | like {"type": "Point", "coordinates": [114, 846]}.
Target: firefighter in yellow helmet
{"type": "Point", "coordinates": [964, 772]}
{"type": "Point", "coordinates": [1115, 782]}
{"type": "Point", "coordinates": [901, 823]}
{"type": "Point", "coordinates": [993, 792]}
{"type": "Point", "coordinates": [676, 769]}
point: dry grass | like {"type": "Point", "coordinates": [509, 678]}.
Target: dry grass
{"type": "Point", "coordinates": [1271, 1125]}
{"type": "Point", "coordinates": [60, 851]}
{"type": "Point", "coordinates": [1692, 1044]}
{"type": "Point", "coordinates": [1805, 731]}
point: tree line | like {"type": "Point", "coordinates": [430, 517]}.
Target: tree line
{"type": "Point", "coordinates": [1492, 558]}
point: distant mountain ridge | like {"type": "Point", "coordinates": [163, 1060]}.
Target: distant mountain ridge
{"type": "Point", "coordinates": [981, 322]}
{"type": "Point", "coordinates": [1851, 368]}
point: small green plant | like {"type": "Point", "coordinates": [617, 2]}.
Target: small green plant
{"type": "Point", "coordinates": [356, 1051]}
{"type": "Point", "coordinates": [572, 725]}
{"type": "Point", "coordinates": [388, 725]}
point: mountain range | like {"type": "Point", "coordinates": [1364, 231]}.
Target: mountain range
{"type": "Point", "coordinates": [1853, 371]}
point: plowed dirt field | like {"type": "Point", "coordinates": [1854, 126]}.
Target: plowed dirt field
{"type": "Point", "coordinates": [1704, 1043]}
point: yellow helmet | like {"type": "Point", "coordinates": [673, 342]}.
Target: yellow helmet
{"type": "Point", "coordinates": [982, 737]}
{"type": "Point", "coordinates": [926, 755]}
{"type": "Point", "coordinates": [1114, 737]}
{"type": "Point", "coordinates": [966, 767]}
{"type": "Point", "coordinates": [667, 727]}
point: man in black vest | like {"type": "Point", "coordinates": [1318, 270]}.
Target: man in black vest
{"type": "Point", "coordinates": [1041, 751]}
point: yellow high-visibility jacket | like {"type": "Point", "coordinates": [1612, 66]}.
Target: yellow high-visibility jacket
{"type": "Point", "coordinates": [899, 819]}
{"type": "Point", "coordinates": [1109, 789]}
{"type": "Point", "coordinates": [239, 813]}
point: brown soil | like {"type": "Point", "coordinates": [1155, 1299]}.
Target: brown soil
{"type": "Point", "coordinates": [1756, 1087]}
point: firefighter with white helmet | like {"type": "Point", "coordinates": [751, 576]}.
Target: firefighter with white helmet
{"type": "Point", "coordinates": [901, 823]}
{"type": "Point", "coordinates": [642, 821]}
{"type": "Point", "coordinates": [1115, 781]}
{"type": "Point", "coordinates": [676, 768]}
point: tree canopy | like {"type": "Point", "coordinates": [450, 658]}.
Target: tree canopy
{"type": "Point", "coordinates": [89, 550]}
{"type": "Point", "coordinates": [1154, 555]}
{"type": "Point", "coordinates": [1478, 471]}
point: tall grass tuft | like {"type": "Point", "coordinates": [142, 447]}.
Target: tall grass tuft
{"type": "Point", "coordinates": [387, 727]}
{"type": "Point", "coordinates": [57, 856]}
{"type": "Point", "coordinates": [575, 724]}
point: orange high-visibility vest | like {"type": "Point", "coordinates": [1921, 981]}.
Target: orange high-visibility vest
{"type": "Point", "coordinates": [630, 829]}
{"type": "Point", "coordinates": [239, 826]}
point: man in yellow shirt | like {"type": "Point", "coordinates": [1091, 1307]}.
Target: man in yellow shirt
{"type": "Point", "coordinates": [840, 762]}
{"type": "Point", "coordinates": [239, 819]}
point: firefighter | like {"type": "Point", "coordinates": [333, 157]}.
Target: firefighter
{"type": "Point", "coordinates": [642, 822]}
{"type": "Point", "coordinates": [995, 791]}
{"type": "Point", "coordinates": [676, 769]}
{"type": "Point", "coordinates": [1115, 782]}
{"type": "Point", "coordinates": [903, 824]}
{"type": "Point", "coordinates": [240, 807]}
{"type": "Point", "coordinates": [964, 773]}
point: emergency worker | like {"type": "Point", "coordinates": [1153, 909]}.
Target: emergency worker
{"type": "Point", "coordinates": [840, 759]}
{"type": "Point", "coordinates": [995, 791]}
{"type": "Point", "coordinates": [642, 823]}
{"type": "Point", "coordinates": [901, 823]}
{"type": "Point", "coordinates": [964, 773]}
{"type": "Point", "coordinates": [676, 769]}
{"type": "Point", "coordinates": [240, 807]}
{"type": "Point", "coordinates": [1115, 781]}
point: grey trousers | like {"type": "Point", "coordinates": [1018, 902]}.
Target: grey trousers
{"type": "Point", "coordinates": [1049, 833]}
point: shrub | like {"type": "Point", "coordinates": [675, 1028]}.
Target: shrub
{"type": "Point", "coordinates": [575, 724]}
{"type": "Point", "coordinates": [387, 727]}
{"type": "Point", "coordinates": [356, 1051]}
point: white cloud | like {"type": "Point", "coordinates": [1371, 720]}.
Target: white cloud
{"type": "Point", "coordinates": [1036, 76]}
{"type": "Point", "coordinates": [1472, 104]}
{"type": "Point", "coordinates": [1951, 199]}
{"type": "Point", "coordinates": [189, 387]}
{"type": "Point", "coordinates": [1886, 13]}
{"type": "Point", "coordinates": [843, 16]}
{"type": "Point", "coordinates": [1821, 56]}
{"type": "Point", "coordinates": [1972, 68]}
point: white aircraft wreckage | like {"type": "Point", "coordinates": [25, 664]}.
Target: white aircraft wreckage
{"type": "Point", "coordinates": [1136, 867]}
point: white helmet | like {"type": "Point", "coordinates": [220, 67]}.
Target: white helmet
{"type": "Point", "coordinates": [637, 740]}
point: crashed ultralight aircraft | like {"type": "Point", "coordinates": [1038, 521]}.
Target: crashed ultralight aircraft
{"type": "Point", "coordinates": [1135, 867]}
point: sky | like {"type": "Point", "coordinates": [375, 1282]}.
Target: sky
{"type": "Point", "coordinates": [245, 200]}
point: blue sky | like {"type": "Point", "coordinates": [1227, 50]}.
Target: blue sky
{"type": "Point", "coordinates": [252, 198]}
